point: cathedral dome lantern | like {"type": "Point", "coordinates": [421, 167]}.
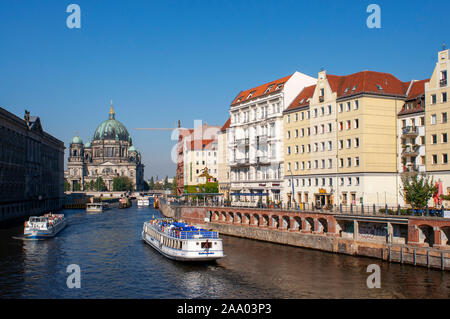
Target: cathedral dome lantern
{"type": "Point", "coordinates": [77, 140]}
{"type": "Point", "coordinates": [111, 129]}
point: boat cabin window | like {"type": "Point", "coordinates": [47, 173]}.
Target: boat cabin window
{"type": "Point", "coordinates": [206, 244]}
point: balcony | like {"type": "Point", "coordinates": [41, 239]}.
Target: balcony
{"type": "Point", "coordinates": [243, 141]}
{"type": "Point", "coordinates": [262, 160]}
{"type": "Point", "coordinates": [410, 131]}
{"type": "Point", "coordinates": [410, 168]}
{"type": "Point", "coordinates": [411, 150]}
{"type": "Point", "coordinates": [443, 82]}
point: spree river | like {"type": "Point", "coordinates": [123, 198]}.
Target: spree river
{"type": "Point", "coordinates": [116, 263]}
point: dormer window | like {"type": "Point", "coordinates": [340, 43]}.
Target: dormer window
{"type": "Point", "coordinates": [279, 86]}
{"type": "Point", "coordinates": [346, 90]}
{"type": "Point", "coordinates": [239, 100]}
{"type": "Point", "coordinates": [269, 88]}
{"type": "Point", "coordinates": [250, 95]}
{"type": "Point", "coordinates": [301, 102]}
{"type": "Point", "coordinates": [379, 87]}
{"type": "Point", "coordinates": [354, 88]}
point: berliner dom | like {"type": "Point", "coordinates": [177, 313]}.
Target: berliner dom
{"type": "Point", "coordinates": [110, 154]}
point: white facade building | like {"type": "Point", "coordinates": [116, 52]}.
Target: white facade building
{"type": "Point", "coordinates": [255, 138]}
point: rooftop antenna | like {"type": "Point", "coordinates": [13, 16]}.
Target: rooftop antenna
{"type": "Point", "coordinates": [444, 46]}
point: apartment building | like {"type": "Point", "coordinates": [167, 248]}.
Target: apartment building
{"type": "Point", "coordinates": [436, 120]}
{"type": "Point", "coordinates": [223, 175]}
{"type": "Point", "coordinates": [255, 138]}
{"type": "Point", "coordinates": [200, 162]}
{"type": "Point", "coordinates": [411, 131]}
{"type": "Point", "coordinates": [350, 140]}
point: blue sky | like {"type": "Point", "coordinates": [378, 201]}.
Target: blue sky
{"type": "Point", "coordinates": [163, 61]}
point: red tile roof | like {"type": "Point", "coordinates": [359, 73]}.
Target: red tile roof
{"type": "Point", "coordinates": [200, 145]}
{"type": "Point", "coordinates": [417, 89]}
{"type": "Point", "coordinates": [261, 90]}
{"type": "Point", "coordinates": [226, 125]}
{"type": "Point", "coordinates": [303, 98]}
{"type": "Point", "coordinates": [361, 82]}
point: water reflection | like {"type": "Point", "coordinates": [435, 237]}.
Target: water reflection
{"type": "Point", "coordinates": [116, 263]}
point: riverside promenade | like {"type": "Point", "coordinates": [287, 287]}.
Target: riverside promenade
{"type": "Point", "coordinates": [416, 240]}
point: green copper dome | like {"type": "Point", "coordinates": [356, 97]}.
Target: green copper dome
{"type": "Point", "coordinates": [77, 140]}
{"type": "Point", "coordinates": [87, 145]}
{"type": "Point", "coordinates": [111, 129]}
{"type": "Point", "coordinates": [132, 149]}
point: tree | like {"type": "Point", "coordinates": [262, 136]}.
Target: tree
{"type": "Point", "coordinates": [145, 186]}
{"type": "Point", "coordinates": [76, 186]}
{"type": "Point", "coordinates": [122, 183]}
{"type": "Point", "coordinates": [166, 183]}
{"type": "Point", "coordinates": [174, 186]}
{"type": "Point", "coordinates": [66, 185]}
{"type": "Point", "coordinates": [151, 185]}
{"type": "Point", "coordinates": [417, 190]}
{"type": "Point", "coordinates": [99, 185]}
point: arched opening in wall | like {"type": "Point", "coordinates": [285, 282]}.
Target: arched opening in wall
{"type": "Point", "coordinates": [426, 235]}
{"type": "Point", "coordinates": [215, 216]}
{"type": "Point", "coordinates": [223, 217]}
{"type": "Point", "coordinates": [275, 221]}
{"type": "Point", "coordinates": [246, 219]}
{"type": "Point", "coordinates": [265, 220]}
{"type": "Point", "coordinates": [286, 222]}
{"type": "Point", "coordinates": [297, 224]}
{"type": "Point", "coordinates": [230, 217]}
{"type": "Point", "coordinates": [238, 218]}
{"type": "Point", "coordinates": [208, 215]}
{"type": "Point", "coordinates": [445, 236]}
{"type": "Point", "coordinates": [323, 225]}
{"type": "Point", "coordinates": [309, 223]}
{"type": "Point", "coordinates": [256, 219]}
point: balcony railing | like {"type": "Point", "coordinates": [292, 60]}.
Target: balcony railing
{"type": "Point", "coordinates": [411, 150]}
{"type": "Point", "coordinates": [410, 130]}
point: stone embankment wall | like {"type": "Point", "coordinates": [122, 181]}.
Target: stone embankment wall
{"type": "Point", "coordinates": [413, 240]}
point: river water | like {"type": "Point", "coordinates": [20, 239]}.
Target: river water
{"type": "Point", "coordinates": [116, 263]}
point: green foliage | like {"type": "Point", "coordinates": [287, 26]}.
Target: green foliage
{"type": "Point", "coordinates": [203, 188]}
{"type": "Point", "coordinates": [122, 183]}
{"type": "Point", "coordinates": [66, 185]}
{"type": "Point", "coordinates": [417, 190]}
{"type": "Point", "coordinates": [76, 187]}
{"type": "Point", "coordinates": [98, 185]}
{"type": "Point", "coordinates": [151, 185]}
{"type": "Point", "coordinates": [445, 197]}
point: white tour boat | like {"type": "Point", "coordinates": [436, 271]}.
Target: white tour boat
{"type": "Point", "coordinates": [39, 227]}
{"type": "Point", "coordinates": [96, 207]}
{"type": "Point", "coordinates": [143, 201]}
{"type": "Point", "coordinates": [180, 241]}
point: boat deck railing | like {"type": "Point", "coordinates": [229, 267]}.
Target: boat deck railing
{"type": "Point", "coordinates": [188, 234]}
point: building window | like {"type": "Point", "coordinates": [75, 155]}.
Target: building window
{"type": "Point", "coordinates": [288, 119]}
{"type": "Point", "coordinates": [357, 181]}
{"type": "Point", "coordinates": [349, 161]}
{"type": "Point", "coordinates": [444, 117]}
{"type": "Point", "coordinates": [433, 99]}
{"type": "Point", "coordinates": [330, 182]}
{"type": "Point", "coordinates": [349, 124]}
{"type": "Point", "coordinates": [444, 159]}
{"type": "Point", "coordinates": [444, 97]}
{"type": "Point", "coordinates": [349, 143]}
{"type": "Point", "coordinates": [289, 150]}
{"type": "Point", "coordinates": [341, 162]}
{"type": "Point", "coordinates": [316, 164]}
{"type": "Point", "coordinates": [296, 149]}
{"type": "Point", "coordinates": [444, 137]}
{"type": "Point", "coordinates": [356, 142]}
{"type": "Point", "coordinates": [341, 144]}
{"type": "Point", "coordinates": [434, 159]}
{"type": "Point", "coordinates": [356, 161]}
{"type": "Point", "coordinates": [356, 106]}
{"type": "Point", "coordinates": [349, 106]}
{"type": "Point", "coordinates": [330, 145]}
{"type": "Point", "coordinates": [349, 181]}
{"type": "Point", "coordinates": [329, 109]}
{"type": "Point", "coordinates": [341, 108]}
{"type": "Point", "coordinates": [356, 123]}
{"type": "Point", "coordinates": [330, 127]}
{"type": "Point", "coordinates": [330, 163]}
{"type": "Point", "coordinates": [434, 139]}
